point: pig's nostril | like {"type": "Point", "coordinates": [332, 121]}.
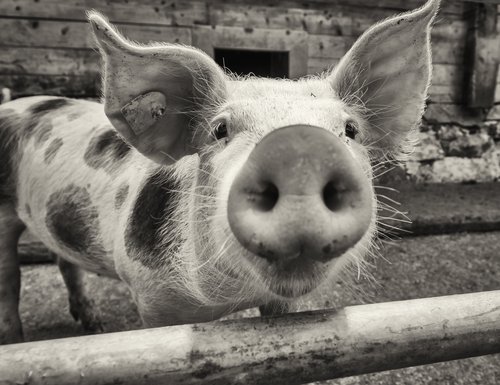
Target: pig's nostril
{"type": "Point", "coordinates": [266, 199]}
{"type": "Point", "coordinates": [332, 196]}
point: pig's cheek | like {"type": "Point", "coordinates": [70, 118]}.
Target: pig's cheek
{"type": "Point", "coordinates": [227, 167]}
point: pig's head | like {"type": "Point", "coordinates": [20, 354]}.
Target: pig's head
{"type": "Point", "coordinates": [279, 193]}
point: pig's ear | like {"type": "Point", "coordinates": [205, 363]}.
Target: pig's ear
{"type": "Point", "coordinates": [385, 77]}
{"type": "Point", "coordinates": [156, 95]}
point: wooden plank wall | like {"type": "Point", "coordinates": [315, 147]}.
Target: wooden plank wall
{"type": "Point", "coordinates": [45, 46]}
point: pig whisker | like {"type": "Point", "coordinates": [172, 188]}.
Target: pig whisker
{"type": "Point", "coordinates": [194, 221]}
{"type": "Point", "coordinates": [386, 206]}
{"type": "Point", "coordinates": [224, 247]}
{"type": "Point", "coordinates": [217, 178]}
{"type": "Point", "coordinates": [198, 195]}
{"type": "Point", "coordinates": [380, 170]}
{"type": "Point", "coordinates": [394, 227]}
{"type": "Point", "coordinates": [384, 162]}
{"type": "Point", "coordinates": [393, 210]}
{"type": "Point", "coordinates": [396, 216]}
{"type": "Point", "coordinates": [390, 240]}
{"type": "Point", "coordinates": [386, 188]}
{"type": "Point", "coordinates": [363, 263]}
{"type": "Point", "coordinates": [389, 199]}
{"type": "Point", "coordinates": [395, 219]}
{"type": "Point", "coordinates": [169, 156]}
{"type": "Point", "coordinates": [204, 187]}
{"type": "Point", "coordinates": [383, 172]}
{"type": "Point", "coordinates": [382, 165]}
{"type": "Point", "coordinates": [376, 170]}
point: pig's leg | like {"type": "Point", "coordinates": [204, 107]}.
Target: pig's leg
{"type": "Point", "coordinates": [273, 308]}
{"type": "Point", "coordinates": [81, 306]}
{"type": "Point", "coordinates": [11, 229]}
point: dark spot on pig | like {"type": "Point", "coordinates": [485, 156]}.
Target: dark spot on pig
{"type": "Point", "coordinates": [73, 221]}
{"type": "Point", "coordinates": [105, 150]}
{"type": "Point", "coordinates": [120, 196]}
{"type": "Point", "coordinates": [74, 115]}
{"type": "Point", "coordinates": [42, 133]}
{"type": "Point", "coordinates": [8, 148]}
{"type": "Point", "coordinates": [154, 205]}
{"type": "Point", "coordinates": [28, 209]}
{"type": "Point", "coordinates": [52, 150]}
{"type": "Point", "coordinates": [39, 110]}
{"type": "Point", "coordinates": [327, 249]}
{"type": "Point", "coordinates": [64, 30]}
{"type": "Point", "coordinates": [34, 24]}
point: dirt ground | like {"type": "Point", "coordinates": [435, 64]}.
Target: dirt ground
{"type": "Point", "coordinates": [410, 268]}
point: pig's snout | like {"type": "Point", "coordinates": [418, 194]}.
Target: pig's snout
{"type": "Point", "coordinates": [300, 195]}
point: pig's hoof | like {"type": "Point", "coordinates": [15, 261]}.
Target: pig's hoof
{"type": "Point", "coordinates": [273, 308]}
{"type": "Point", "coordinates": [10, 338]}
{"type": "Point", "coordinates": [84, 310]}
{"type": "Point", "coordinates": [11, 331]}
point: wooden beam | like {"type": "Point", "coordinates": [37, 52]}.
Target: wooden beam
{"type": "Point", "coordinates": [44, 33]}
{"type": "Point", "coordinates": [291, 349]}
{"type": "Point", "coordinates": [481, 55]}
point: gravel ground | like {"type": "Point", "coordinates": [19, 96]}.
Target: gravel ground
{"type": "Point", "coordinates": [411, 268]}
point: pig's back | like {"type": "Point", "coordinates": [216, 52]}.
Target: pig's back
{"type": "Point", "coordinates": [68, 167]}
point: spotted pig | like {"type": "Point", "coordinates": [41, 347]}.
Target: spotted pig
{"type": "Point", "coordinates": [203, 191]}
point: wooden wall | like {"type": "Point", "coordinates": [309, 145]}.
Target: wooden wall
{"type": "Point", "coordinates": [45, 46]}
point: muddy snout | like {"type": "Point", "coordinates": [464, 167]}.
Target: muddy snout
{"type": "Point", "coordinates": [300, 195]}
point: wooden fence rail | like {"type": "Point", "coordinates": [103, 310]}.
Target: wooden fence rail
{"type": "Point", "coordinates": [291, 349]}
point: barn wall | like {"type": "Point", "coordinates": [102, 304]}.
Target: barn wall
{"type": "Point", "coordinates": [45, 45]}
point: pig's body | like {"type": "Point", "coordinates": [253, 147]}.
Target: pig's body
{"type": "Point", "coordinates": [106, 217]}
{"type": "Point", "coordinates": [204, 193]}
{"type": "Point", "coordinates": [56, 134]}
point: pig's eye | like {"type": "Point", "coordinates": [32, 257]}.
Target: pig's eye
{"type": "Point", "coordinates": [351, 130]}
{"type": "Point", "coordinates": [220, 131]}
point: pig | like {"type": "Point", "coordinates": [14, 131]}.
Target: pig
{"type": "Point", "coordinates": [205, 192]}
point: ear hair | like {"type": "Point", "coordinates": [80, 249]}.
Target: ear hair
{"type": "Point", "coordinates": [385, 76]}
{"type": "Point", "coordinates": [154, 94]}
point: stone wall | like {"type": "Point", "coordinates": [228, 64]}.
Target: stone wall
{"type": "Point", "coordinates": [457, 154]}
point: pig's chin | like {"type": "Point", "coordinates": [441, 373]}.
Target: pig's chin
{"type": "Point", "coordinates": [294, 278]}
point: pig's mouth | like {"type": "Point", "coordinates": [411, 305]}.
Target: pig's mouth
{"type": "Point", "coordinates": [293, 277]}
